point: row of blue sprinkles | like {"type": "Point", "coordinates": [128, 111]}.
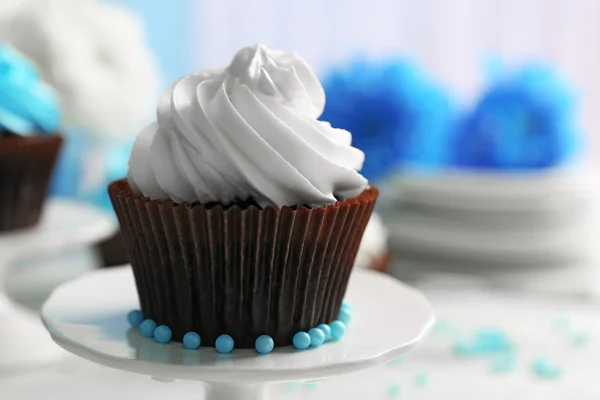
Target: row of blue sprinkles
{"type": "Point", "coordinates": [264, 344]}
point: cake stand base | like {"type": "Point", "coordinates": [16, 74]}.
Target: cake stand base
{"type": "Point", "coordinates": [23, 342]}
{"type": "Point", "coordinates": [222, 391]}
{"type": "Point", "coordinates": [87, 317]}
{"type": "Point", "coordinates": [65, 225]}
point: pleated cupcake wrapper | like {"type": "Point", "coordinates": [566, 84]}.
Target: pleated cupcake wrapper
{"type": "Point", "coordinates": [26, 166]}
{"type": "Point", "coordinates": [242, 272]}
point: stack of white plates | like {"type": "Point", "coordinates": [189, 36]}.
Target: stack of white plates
{"type": "Point", "coordinates": [490, 220]}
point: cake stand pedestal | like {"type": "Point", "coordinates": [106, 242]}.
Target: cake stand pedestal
{"type": "Point", "coordinates": [65, 225]}
{"type": "Point", "coordinates": [87, 317]}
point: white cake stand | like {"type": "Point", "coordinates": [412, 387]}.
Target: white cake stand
{"type": "Point", "coordinates": [65, 225]}
{"type": "Point", "coordinates": [88, 318]}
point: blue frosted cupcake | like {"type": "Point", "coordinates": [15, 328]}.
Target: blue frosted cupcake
{"type": "Point", "coordinates": [29, 145]}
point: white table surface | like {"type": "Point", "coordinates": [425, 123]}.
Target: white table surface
{"type": "Point", "coordinates": [529, 320]}
{"type": "Point", "coordinates": [449, 378]}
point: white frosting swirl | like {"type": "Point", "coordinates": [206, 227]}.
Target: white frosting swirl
{"type": "Point", "coordinates": [247, 131]}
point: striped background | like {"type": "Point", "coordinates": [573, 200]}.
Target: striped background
{"type": "Point", "coordinates": [449, 37]}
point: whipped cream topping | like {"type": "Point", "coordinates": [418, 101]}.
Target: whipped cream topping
{"type": "Point", "coordinates": [246, 131]}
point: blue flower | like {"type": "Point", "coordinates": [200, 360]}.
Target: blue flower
{"type": "Point", "coordinates": [27, 105]}
{"type": "Point", "coordinates": [524, 121]}
{"type": "Point", "coordinates": [394, 114]}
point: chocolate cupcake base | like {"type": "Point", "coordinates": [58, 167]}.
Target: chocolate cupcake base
{"type": "Point", "coordinates": [26, 165]}
{"type": "Point", "coordinates": [381, 263]}
{"type": "Point", "coordinates": [241, 270]}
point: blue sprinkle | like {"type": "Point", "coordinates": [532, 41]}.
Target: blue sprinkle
{"type": "Point", "coordinates": [345, 316]}
{"type": "Point", "coordinates": [338, 329]}
{"type": "Point", "coordinates": [346, 304]}
{"type": "Point", "coordinates": [545, 369]}
{"type": "Point", "coordinates": [224, 344]}
{"type": "Point", "coordinates": [394, 390]}
{"type": "Point", "coordinates": [147, 328]}
{"type": "Point", "coordinates": [192, 340]}
{"type": "Point", "coordinates": [311, 385]}
{"type": "Point", "coordinates": [463, 349]}
{"type": "Point", "coordinates": [317, 337]}
{"type": "Point", "coordinates": [347, 308]}
{"type": "Point", "coordinates": [444, 328]}
{"type": "Point", "coordinates": [326, 331]}
{"type": "Point", "coordinates": [580, 339]}
{"type": "Point", "coordinates": [163, 334]}
{"type": "Point", "coordinates": [441, 327]}
{"type": "Point", "coordinates": [562, 323]}
{"type": "Point", "coordinates": [291, 385]}
{"type": "Point", "coordinates": [491, 340]}
{"type": "Point", "coordinates": [421, 379]}
{"type": "Point", "coordinates": [485, 342]}
{"type": "Point", "coordinates": [135, 318]}
{"type": "Point", "coordinates": [397, 361]}
{"type": "Point", "coordinates": [301, 340]}
{"type": "Point", "coordinates": [264, 344]}
{"type": "Point", "coordinates": [503, 363]}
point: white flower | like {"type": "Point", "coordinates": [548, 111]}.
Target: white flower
{"type": "Point", "coordinates": [96, 57]}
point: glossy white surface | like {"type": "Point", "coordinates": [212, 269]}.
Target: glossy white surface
{"type": "Point", "coordinates": [529, 320]}
{"type": "Point", "coordinates": [95, 327]}
{"type": "Point", "coordinates": [65, 225]}
{"type": "Point", "coordinates": [31, 282]}
{"type": "Point", "coordinates": [23, 341]}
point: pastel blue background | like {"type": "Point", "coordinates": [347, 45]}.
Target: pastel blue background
{"type": "Point", "coordinates": [169, 31]}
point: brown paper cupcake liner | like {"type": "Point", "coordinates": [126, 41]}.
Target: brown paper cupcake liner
{"type": "Point", "coordinates": [382, 263]}
{"type": "Point", "coordinates": [26, 165]}
{"type": "Point", "coordinates": [241, 270]}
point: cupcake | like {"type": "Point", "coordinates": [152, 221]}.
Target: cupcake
{"type": "Point", "coordinates": [29, 145]}
{"type": "Point", "coordinates": [242, 213]}
{"type": "Point", "coordinates": [373, 251]}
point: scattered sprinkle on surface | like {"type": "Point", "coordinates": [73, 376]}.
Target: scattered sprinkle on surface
{"type": "Point", "coordinates": [291, 385]}
{"type": "Point", "coordinates": [562, 323]}
{"type": "Point", "coordinates": [311, 385]}
{"type": "Point", "coordinates": [441, 327]}
{"type": "Point", "coordinates": [394, 390]}
{"type": "Point", "coordinates": [545, 369]}
{"type": "Point", "coordinates": [421, 379]}
{"type": "Point", "coordinates": [444, 328]}
{"type": "Point", "coordinates": [503, 363]}
{"type": "Point", "coordinates": [580, 339]}
{"type": "Point", "coordinates": [397, 361]}
{"type": "Point", "coordinates": [462, 348]}
{"type": "Point", "coordinates": [485, 342]}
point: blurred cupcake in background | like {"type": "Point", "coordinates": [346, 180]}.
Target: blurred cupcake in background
{"type": "Point", "coordinates": [397, 116]}
{"type": "Point", "coordinates": [96, 57]}
{"type": "Point", "coordinates": [29, 141]}
{"type": "Point", "coordinates": [524, 121]}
